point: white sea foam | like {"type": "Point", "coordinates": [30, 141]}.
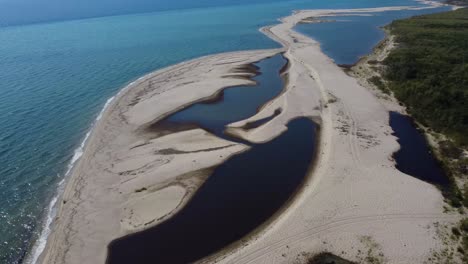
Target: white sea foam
{"type": "Point", "coordinates": [51, 211]}
{"type": "Point", "coordinates": [105, 107]}
{"type": "Point", "coordinates": [41, 241]}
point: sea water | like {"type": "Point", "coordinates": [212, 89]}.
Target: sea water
{"type": "Point", "coordinates": [56, 76]}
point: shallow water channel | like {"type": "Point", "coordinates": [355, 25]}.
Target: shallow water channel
{"type": "Point", "coordinates": [236, 103]}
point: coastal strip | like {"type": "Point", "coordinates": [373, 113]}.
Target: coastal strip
{"type": "Point", "coordinates": [352, 199]}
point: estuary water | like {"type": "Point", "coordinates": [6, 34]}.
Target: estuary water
{"type": "Point", "coordinates": [56, 76]}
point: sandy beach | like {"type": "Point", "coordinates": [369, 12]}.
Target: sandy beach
{"type": "Point", "coordinates": [355, 203]}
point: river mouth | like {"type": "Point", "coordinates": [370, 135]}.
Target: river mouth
{"type": "Point", "coordinates": [242, 193]}
{"type": "Point", "coordinates": [414, 156]}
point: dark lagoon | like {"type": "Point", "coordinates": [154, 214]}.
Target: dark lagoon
{"type": "Point", "coordinates": [414, 157]}
{"type": "Point", "coordinates": [241, 194]}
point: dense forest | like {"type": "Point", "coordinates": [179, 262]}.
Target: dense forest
{"type": "Point", "coordinates": [457, 2]}
{"type": "Point", "coordinates": [428, 71]}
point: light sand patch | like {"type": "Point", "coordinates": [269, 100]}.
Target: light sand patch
{"type": "Point", "coordinates": [149, 208]}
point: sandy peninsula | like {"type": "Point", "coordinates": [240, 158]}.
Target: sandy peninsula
{"type": "Point", "coordinates": [353, 202]}
{"type": "Point", "coordinates": [127, 167]}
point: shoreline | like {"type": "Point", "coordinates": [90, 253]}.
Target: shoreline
{"type": "Point", "coordinates": [254, 135]}
{"type": "Point", "coordinates": [39, 244]}
{"type": "Point", "coordinates": [250, 56]}
{"type": "Point", "coordinates": [362, 71]}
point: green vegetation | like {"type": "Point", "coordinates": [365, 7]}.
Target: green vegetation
{"type": "Point", "coordinates": [377, 81]}
{"type": "Point", "coordinates": [328, 258]}
{"type": "Point", "coordinates": [463, 237]}
{"type": "Point", "coordinates": [374, 254]}
{"type": "Point", "coordinates": [457, 2]}
{"type": "Point", "coordinates": [465, 192]}
{"type": "Point", "coordinates": [429, 70]}
{"type": "Point", "coordinates": [454, 247]}
{"type": "Point", "coordinates": [464, 225]}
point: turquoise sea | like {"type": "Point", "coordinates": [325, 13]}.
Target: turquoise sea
{"type": "Point", "coordinates": [56, 76]}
